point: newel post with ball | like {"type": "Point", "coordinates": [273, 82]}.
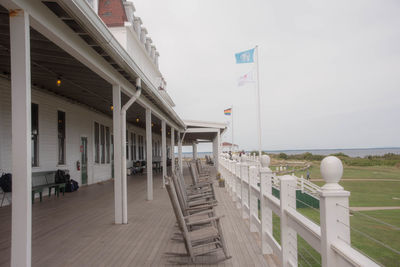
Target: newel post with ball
{"type": "Point", "coordinates": [334, 215]}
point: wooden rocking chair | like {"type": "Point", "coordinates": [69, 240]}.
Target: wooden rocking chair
{"type": "Point", "coordinates": [203, 241]}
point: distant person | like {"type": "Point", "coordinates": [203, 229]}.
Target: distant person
{"type": "Point", "coordinates": [230, 155]}
{"type": "Point", "coordinates": [308, 174]}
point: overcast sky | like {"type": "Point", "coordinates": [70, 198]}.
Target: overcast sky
{"type": "Point", "coordinates": [329, 70]}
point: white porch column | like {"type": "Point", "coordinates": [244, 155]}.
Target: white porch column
{"type": "Point", "coordinates": [21, 230]}
{"type": "Point", "coordinates": [216, 147]}
{"type": "Point", "coordinates": [194, 146]}
{"type": "Point", "coordinates": [124, 192]}
{"type": "Point", "coordinates": [180, 152]}
{"type": "Point", "coordinates": [172, 149]}
{"type": "Point", "coordinates": [117, 153]}
{"type": "Point", "coordinates": [164, 150]}
{"type": "Point", "coordinates": [149, 155]}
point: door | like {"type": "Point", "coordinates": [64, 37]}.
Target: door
{"type": "Point", "coordinates": [84, 174]}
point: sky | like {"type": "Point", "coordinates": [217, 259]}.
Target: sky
{"type": "Point", "coordinates": [329, 70]}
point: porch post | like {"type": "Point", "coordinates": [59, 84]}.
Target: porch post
{"type": "Point", "coordinates": [172, 149]}
{"type": "Point", "coordinates": [117, 153]}
{"type": "Point", "coordinates": [21, 230]}
{"type": "Point", "coordinates": [164, 150]}
{"type": "Point", "coordinates": [180, 152]}
{"type": "Point", "coordinates": [216, 147]}
{"type": "Point", "coordinates": [124, 193]}
{"type": "Point", "coordinates": [149, 156]}
{"type": "Point", "coordinates": [194, 148]}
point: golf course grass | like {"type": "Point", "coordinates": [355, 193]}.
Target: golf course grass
{"type": "Point", "coordinates": [378, 192]}
{"type": "Point", "coordinates": [360, 225]}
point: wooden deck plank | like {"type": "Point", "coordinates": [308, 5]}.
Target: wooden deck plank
{"type": "Point", "coordinates": [78, 229]}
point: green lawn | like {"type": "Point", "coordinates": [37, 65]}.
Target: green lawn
{"type": "Point", "coordinates": [354, 172]}
{"type": "Point", "coordinates": [363, 194]}
{"type": "Point", "coordinates": [380, 232]}
{"type": "Point", "coordinates": [376, 230]}
{"type": "Point", "coordinates": [371, 193]}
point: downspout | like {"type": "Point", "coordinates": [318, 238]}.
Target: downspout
{"type": "Point", "coordinates": [123, 136]}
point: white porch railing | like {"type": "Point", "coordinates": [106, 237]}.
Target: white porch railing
{"type": "Point", "coordinates": [248, 181]}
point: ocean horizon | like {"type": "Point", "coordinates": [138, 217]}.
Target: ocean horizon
{"type": "Point", "coordinates": [352, 152]}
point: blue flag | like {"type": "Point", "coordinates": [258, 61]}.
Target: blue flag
{"type": "Point", "coordinates": [245, 56]}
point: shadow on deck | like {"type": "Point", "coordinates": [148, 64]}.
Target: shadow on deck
{"type": "Point", "coordinates": [78, 229]}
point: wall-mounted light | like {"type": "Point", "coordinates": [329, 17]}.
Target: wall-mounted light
{"type": "Point", "coordinates": [58, 81]}
{"type": "Point", "coordinates": [152, 124]}
{"type": "Point", "coordinates": [112, 107]}
{"type": "Point", "coordinates": [137, 120]}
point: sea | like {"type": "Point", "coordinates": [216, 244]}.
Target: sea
{"type": "Point", "coordinates": [352, 152]}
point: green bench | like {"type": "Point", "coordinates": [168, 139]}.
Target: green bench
{"type": "Point", "coordinates": [39, 184]}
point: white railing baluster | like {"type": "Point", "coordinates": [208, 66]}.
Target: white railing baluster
{"type": "Point", "coordinates": [238, 186]}
{"type": "Point", "coordinates": [288, 234]}
{"type": "Point", "coordinates": [253, 197]}
{"type": "Point", "coordinates": [266, 212]}
{"type": "Point", "coordinates": [244, 175]}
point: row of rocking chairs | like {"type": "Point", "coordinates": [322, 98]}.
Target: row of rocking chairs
{"type": "Point", "coordinates": [199, 226]}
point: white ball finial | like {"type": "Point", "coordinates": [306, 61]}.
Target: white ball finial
{"type": "Point", "coordinates": [265, 160]}
{"type": "Point", "coordinates": [331, 171]}
{"type": "Point", "coordinates": [244, 158]}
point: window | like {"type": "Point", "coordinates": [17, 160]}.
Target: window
{"type": "Point", "coordinates": [61, 138]}
{"type": "Point", "coordinates": [102, 146]}
{"type": "Point", "coordinates": [35, 134]}
{"type": "Point", "coordinates": [108, 144]}
{"type": "Point", "coordinates": [132, 156]}
{"type": "Point", "coordinates": [112, 148]}
{"type": "Point", "coordinates": [96, 143]}
{"type": "Point", "coordinates": [127, 145]}
{"type": "Point", "coordinates": [156, 148]}
{"type": "Point", "coordinates": [141, 147]}
{"type": "Point", "coordinates": [134, 147]}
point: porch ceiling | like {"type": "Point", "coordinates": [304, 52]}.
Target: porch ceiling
{"type": "Point", "coordinates": [202, 131]}
{"type": "Point", "coordinates": [194, 137]}
{"type": "Point", "coordinates": [79, 84]}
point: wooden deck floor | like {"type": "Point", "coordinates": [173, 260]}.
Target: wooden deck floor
{"type": "Point", "coordinates": [78, 229]}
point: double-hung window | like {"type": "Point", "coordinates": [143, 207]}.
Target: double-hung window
{"type": "Point", "coordinates": [61, 137]}
{"type": "Point", "coordinates": [108, 144]}
{"type": "Point", "coordinates": [35, 134]}
{"type": "Point", "coordinates": [96, 143]}
{"type": "Point", "coordinates": [102, 145]}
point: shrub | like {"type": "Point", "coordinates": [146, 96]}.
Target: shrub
{"type": "Point", "coordinates": [283, 156]}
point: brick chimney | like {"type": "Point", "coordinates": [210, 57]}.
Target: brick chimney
{"type": "Point", "coordinates": [112, 12]}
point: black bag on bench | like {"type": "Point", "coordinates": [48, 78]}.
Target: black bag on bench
{"type": "Point", "coordinates": [5, 182]}
{"type": "Point", "coordinates": [61, 177]}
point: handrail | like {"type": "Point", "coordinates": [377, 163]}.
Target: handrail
{"type": "Point", "coordinates": [251, 180]}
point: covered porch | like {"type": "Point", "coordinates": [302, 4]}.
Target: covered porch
{"type": "Point", "coordinates": [78, 230]}
{"type": "Point", "coordinates": [60, 56]}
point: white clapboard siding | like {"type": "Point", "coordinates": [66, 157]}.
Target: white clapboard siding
{"type": "Point", "coordinates": [79, 122]}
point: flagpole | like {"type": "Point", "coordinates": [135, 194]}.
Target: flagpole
{"type": "Point", "coordinates": [233, 144]}
{"type": "Point", "coordinates": [258, 106]}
